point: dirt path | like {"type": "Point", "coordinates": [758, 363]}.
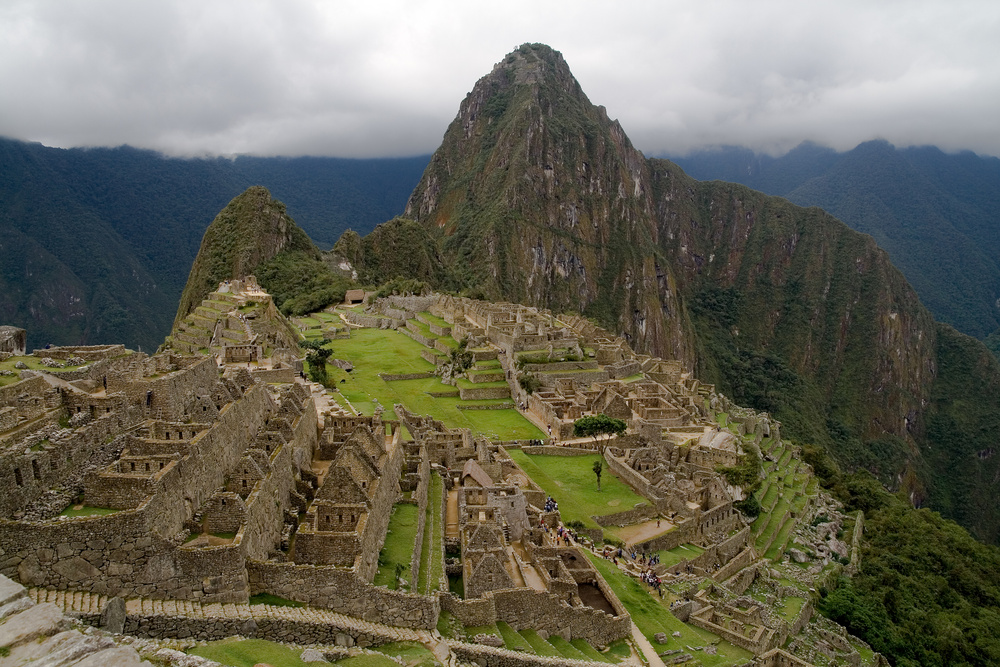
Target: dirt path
{"type": "Point", "coordinates": [647, 649]}
{"type": "Point", "coordinates": [451, 517]}
{"type": "Point", "coordinates": [639, 532]}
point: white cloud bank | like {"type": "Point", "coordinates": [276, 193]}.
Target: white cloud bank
{"type": "Point", "coordinates": [353, 79]}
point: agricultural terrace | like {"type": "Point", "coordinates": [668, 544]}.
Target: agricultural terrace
{"type": "Point", "coordinates": [375, 351]}
{"type": "Point", "coordinates": [571, 481]}
{"type": "Point", "coordinates": [651, 615]}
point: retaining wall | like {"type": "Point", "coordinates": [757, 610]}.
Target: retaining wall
{"type": "Point", "coordinates": [343, 591]}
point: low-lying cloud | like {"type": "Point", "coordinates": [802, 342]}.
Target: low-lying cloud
{"type": "Point", "coordinates": [385, 79]}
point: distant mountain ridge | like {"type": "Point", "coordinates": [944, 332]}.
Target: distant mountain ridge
{"type": "Point", "coordinates": [96, 244]}
{"type": "Point", "coordinates": [936, 214]}
{"type": "Point", "coordinates": [536, 196]}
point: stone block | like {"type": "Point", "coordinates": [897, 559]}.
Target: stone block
{"type": "Point", "coordinates": [9, 590]}
{"type": "Point", "coordinates": [113, 615]}
{"type": "Point", "coordinates": [42, 620]}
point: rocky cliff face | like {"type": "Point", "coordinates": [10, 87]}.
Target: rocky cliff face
{"type": "Point", "coordinates": [537, 196]}
{"type": "Point", "coordinates": [546, 201]}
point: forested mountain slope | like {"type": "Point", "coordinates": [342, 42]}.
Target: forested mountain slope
{"type": "Point", "coordinates": [96, 244]}
{"type": "Point", "coordinates": [937, 215]}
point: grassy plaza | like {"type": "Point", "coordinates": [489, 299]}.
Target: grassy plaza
{"type": "Point", "coordinates": [384, 351]}
{"type": "Point", "coordinates": [572, 482]}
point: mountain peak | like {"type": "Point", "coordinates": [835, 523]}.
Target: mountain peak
{"type": "Point", "coordinates": [250, 230]}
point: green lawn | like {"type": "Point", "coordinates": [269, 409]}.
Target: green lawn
{"type": "Point", "coordinates": [86, 510]}
{"type": "Point", "coordinates": [250, 652]}
{"type": "Point", "coordinates": [399, 543]}
{"type": "Point", "coordinates": [539, 645]}
{"type": "Point", "coordinates": [679, 553]}
{"type": "Point", "coordinates": [651, 615]}
{"type": "Point", "coordinates": [512, 639]}
{"type": "Point", "coordinates": [434, 319]}
{"type": "Point", "coordinates": [374, 351]}
{"type": "Point", "coordinates": [33, 363]}
{"type": "Point", "coordinates": [431, 555]}
{"type": "Point", "coordinates": [571, 481]}
{"type": "Point", "coordinates": [412, 653]}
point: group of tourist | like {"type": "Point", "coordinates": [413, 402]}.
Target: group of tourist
{"type": "Point", "coordinates": [551, 505]}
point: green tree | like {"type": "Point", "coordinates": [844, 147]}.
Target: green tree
{"type": "Point", "coordinates": [598, 467]}
{"type": "Point", "coordinates": [597, 425]}
{"type": "Point", "coordinates": [316, 357]}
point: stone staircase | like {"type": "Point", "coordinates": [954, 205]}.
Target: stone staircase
{"type": "Point", "coordinates": [143, 611]}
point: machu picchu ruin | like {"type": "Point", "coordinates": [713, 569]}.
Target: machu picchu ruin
{"type": "Point", "coordinates": [435, 495]}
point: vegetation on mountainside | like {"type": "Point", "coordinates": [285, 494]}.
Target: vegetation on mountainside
{"type": "Point", "coordinates": [926, 592]}
{"type": "Point", "coordinates": [96, 244]}
{"type": "Point", "coordinates": [934, 213]}
{"type": "Point", "coordinates": [993, 343]}
{"type": "Point", "coordinates": [253, 235]}
{"type": "Point", "coordinates": [394, 249]}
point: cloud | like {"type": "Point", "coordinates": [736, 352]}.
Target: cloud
{"type": "Point", "coordinates": [386, 78]}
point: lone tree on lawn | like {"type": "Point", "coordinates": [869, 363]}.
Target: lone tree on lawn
{"type": "Point", "coordinates": [596, 425]}
{"type": "Point", "coordinates": [598, 466]}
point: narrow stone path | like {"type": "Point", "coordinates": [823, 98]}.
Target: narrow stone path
{"type": "Point", "coordinates": [647, 649]}
{"type": "Point", "coordinates": [451, 523]}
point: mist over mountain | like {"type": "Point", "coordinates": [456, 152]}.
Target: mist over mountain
{"type": "Point", "coordinates": [936, 214]}
{"type": "Point", "coordinates": [96, 244]}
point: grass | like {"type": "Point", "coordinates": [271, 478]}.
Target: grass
{"type": "Point", "coordinates": [539, 645]}
{"type": "Point", "coordinates": [412, 653]}
{"type": "Point", "coordinates": [374, 351]}
{"type": "Point", "coordinates": [512, 639]}
{"type": "Point", "coordinates": [568, 650]}
{"type": "Point", "coordinates": [365, 660]}
{"type": "Point", "coordinates": [399, 543]}
{"type": "Point", "coordinates": [651, 616]}
{"type": "Point", "coordinates": [250, 652]}
{"type": "Point", "coordinates": [87, 511]}
{"type": "Point", "coordinates": [431, 555]}
{"type": "Point", "coordinates": [677, 554]}
{"type": "Point", "coordinates": [790, 608]}
{"type": "Point", "coordinates": [33, 363]}
{"type": "Point", "coordinates": [434, 319]}
{"type": "Point", "coordinates": [273, 600]}
{"type": "Point", "coordinates": [571, 481]}
{"type": "Point", "coordinates": [589, 651]}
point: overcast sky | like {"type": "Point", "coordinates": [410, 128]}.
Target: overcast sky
{"type": "Point", "coordinates": [373, 79]}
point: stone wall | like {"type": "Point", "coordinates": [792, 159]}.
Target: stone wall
{"type": "Point", "coordinates": [525, 608]}
{"type": "Point", "coordinates": [421, 494]}
{"type": "Point", "coordinates": [488, 656]}
{"type": "Point", "coordinates": [118, 554]}
{"type": "Point", "coordinates": [633, 478]}
{"type": "Point", "coordinates": [553, 450]}
{"type": "Point", "coordinates": [343, 591]}
{"type": "Point", "coordinates": [274, 375]}
{"type": "Point", "coordinates": [626, 517]}
{"type": "Point", "coordinates": [26, 476]}
{"type": "Point", "coordinates": [483, 393]}
{"type": "Point", "coordinates": [85, 352]}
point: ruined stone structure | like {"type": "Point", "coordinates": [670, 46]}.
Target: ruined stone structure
{"type": "Point", "coordinates": [13, 341]}
{"type": "Point", "coordinates": [207, 474]}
